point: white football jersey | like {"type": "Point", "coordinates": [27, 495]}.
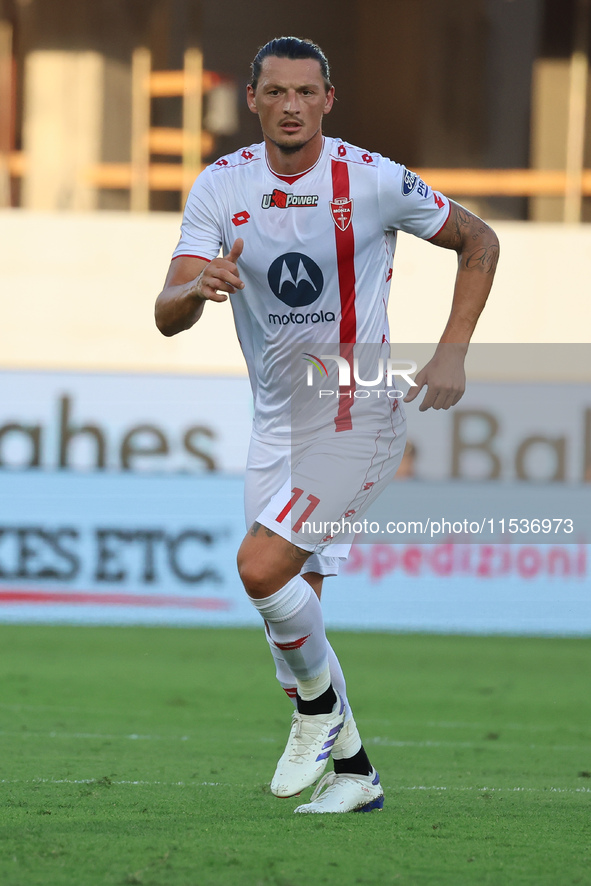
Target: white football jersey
{"type": "Point", "coordinates": [317, 258]}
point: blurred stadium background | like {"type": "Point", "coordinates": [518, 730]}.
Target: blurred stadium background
{"type": "Point", "coordinates": [121, 452]}
{"type": "Point", "coordinates": [101, 109]}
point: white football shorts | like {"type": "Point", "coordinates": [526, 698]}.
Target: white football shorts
{"type": "Point", "coordinates": [302, 491]}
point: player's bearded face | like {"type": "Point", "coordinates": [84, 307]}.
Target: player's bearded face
{"type": "Point", "coordinates": [291, 100]}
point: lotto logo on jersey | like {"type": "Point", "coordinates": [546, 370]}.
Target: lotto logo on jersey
{"type": "Point", "coordinates": [283, 201]}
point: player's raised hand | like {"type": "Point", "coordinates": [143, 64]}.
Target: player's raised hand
{"type": "Point", "coordinates": [444, 377]}
{"type": "Point", "coordinates": [220, 276]}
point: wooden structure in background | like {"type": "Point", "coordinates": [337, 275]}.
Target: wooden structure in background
{"type": "Point", "coordinates": [6, 111]}
{"type": "Point", "coordinates": [503, 182]}
{"type": "Point", "coordinates": [190, 143]}
{"type": "Point", "coordinates": [141, 175]}
{"type": "Point", "coordinates": [577, 114]}
{"type": "Point", "coordinates": [452, 182]}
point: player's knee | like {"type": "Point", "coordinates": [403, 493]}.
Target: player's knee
{"type": "Point", "coordinates": [262, 573]}
{"type": "Point", "coordinates": [254, 576]}
{"type": "Point", "coordinates": [267, 563]}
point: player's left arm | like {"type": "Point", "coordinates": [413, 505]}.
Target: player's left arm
{"type": "Point", "coordinates": [477, 247]}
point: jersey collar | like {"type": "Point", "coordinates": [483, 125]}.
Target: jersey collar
{"type": "Point", "coordinates": [290, 179]}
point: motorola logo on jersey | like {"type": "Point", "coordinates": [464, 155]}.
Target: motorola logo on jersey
{"type": "Point", "coordinates": [298, 319]}
{"type": "Point", "coordinates": [295, 279]}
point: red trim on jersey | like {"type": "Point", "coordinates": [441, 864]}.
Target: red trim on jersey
{"type": "Point", "coordinates": [345, 244]}
{"type": "Point", "coordinates": [215, 166]}
{"type": "Point", "coordinates": [289, 179]}
{"type": "Point", "coordinates": [188, 255]}
{"type": "Point", "coordinates": [443, 225]}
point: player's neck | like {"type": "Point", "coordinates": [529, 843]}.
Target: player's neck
{"type": "Point", "coordinates": [283, 163]}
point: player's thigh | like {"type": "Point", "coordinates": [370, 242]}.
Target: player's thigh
{"type": "Point", "coordinates": [332, 483]}
{"type": "Point", "coordinates": [267, 472]}
{"type": "Point", "coordinates": [267, 469]}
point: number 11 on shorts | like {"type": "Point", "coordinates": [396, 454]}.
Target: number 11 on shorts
{"type": "Point", "coordinates": [296, 494]}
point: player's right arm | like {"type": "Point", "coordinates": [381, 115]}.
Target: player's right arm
{"type": "Point", "coordinates": [192, 281]}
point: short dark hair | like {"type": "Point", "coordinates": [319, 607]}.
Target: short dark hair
{"type": "Point", "coordinates": [290, 47]}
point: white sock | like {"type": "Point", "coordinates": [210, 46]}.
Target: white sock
{"type": "Point", "coordinates": [295, 626]}
{"type": "Point", "coordinates": [287, 680]}
{"type": "Point", "coordinates": [338, 679]}
{"type": "Point", "coordinates": [349, 742]}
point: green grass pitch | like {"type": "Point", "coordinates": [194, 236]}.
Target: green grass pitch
{"type": "Point", "coordinates": [143, 756]}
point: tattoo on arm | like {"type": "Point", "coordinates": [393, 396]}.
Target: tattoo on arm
{"type": "Point", "coordinates": [455, 229]}
{"type": "Point", "coordinates": [462, 232]}
{"type": "Point", "coordinates": [485, 258]}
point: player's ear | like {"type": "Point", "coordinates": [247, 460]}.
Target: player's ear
{"type": "Point", "coordinates": [251, 99]}
{"type": "Point", "coordinates": [329, 100]}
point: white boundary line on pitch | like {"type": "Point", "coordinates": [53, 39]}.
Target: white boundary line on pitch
{"type": "Point", "coordinates": [98, 782]}
{"type": "Point", "coordinates": [484, 742]}
{"type": "Point", "coordinates": [448, 724]}
{"type": "Point", "coordinates": [485, 790]}
{"type": "Point", "coordinates": [434, 724]}
{"type": "Point", "coordinates": [19, 706]}
{"type": "Point", "coordinates": [376, 741]}
{"type": "Point", "coordinates": [42, 707]}
{"type": "Point", "coordinates": [95, 735]}
{"type": "Point", "coordinates": [102, 782]}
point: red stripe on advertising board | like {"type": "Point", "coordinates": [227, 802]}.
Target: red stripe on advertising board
{"type": "Point", "coordinates": [345, 244]}
{"type": "Point", "coordinates": [94, 599]}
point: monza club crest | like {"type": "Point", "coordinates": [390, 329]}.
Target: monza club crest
{"type": "Point", "coordinates": [341, 209]}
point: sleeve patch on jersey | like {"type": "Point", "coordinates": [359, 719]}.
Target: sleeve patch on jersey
{"type": "Point", "coordinates": [409, 182]}
{"type": "Point", "coordinates": [412, 181]}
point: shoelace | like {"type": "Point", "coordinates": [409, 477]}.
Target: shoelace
{"type": "Point", "coordinates": [326, 781]}
{"type": "Point", "coordinates": [304, 736]}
